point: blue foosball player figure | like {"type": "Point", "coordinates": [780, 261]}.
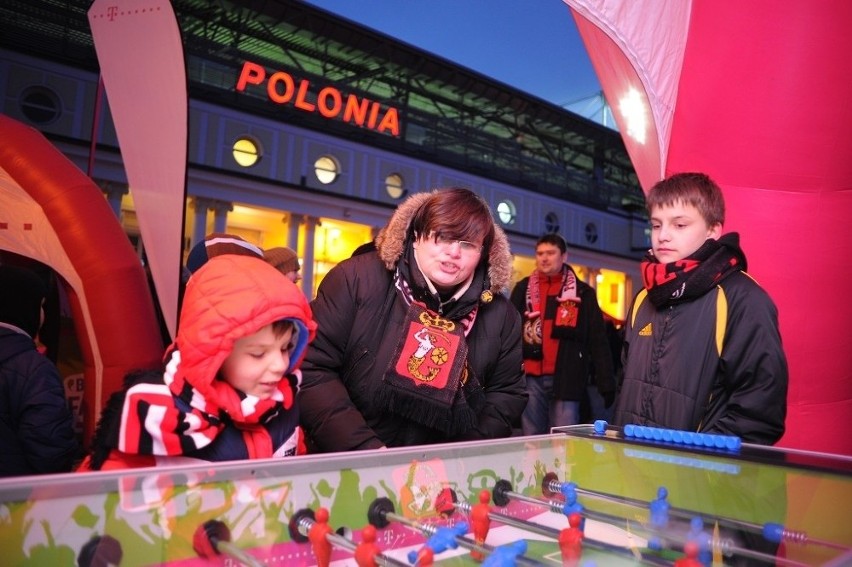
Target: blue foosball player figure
{"type": "Point", "coordinates": [659, 516]}
{"type": "Point", "coordinates": [698, 535]}
{"type": "Point", "coordinates": [505, 555]}
{"type": "Point", "coordinates": [443, 539]}
{"type": "Point", "coordinates": [571, 506]}
{"type": "Point", "coordinates": [659, 508]}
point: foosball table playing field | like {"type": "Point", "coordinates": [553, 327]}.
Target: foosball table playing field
{"type": "Point", "coordinates": [582, 495]}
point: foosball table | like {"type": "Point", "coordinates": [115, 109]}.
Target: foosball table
{"type": "Point", "coordinates": [581, 495]}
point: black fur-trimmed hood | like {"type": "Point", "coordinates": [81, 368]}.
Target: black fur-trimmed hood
{"type": "Point", "coordinates": [390, 243]}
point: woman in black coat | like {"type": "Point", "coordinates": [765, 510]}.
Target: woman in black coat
{"type": "Point", "coordinates": [416, 341]}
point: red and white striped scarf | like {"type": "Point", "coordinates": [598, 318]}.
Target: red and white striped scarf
{"type": "Point", "coordinates": [176, 418]}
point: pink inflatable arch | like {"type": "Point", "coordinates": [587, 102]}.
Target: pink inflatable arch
{"type": "Point", "coordinates": [756, 94]}
{"type": "Point", "coordinates": [51, 212]}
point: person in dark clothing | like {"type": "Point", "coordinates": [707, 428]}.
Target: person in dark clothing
{"type": "Point", "coordinates": [593, 408]}
{"type": "Point", "coordinates": [564, 340]}
{"type": "Point", "coordinates": [36, 426]}
{"type": "Point", "coordinates": [416, 342]}
{"type": "Point", "coordinates": [702, 349]}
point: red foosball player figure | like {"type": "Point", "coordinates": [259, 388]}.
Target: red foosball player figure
{"type": "Point", "coordinates": [690, 556]}
{"type": "Point", "coordinates": [317, 536]}
{"type": "Point", "coordinates": [571, 541]}
{"type": "Point", "coordinates": [423, 557]}
{"type": "Point", "coordinates": [480, 522]}
{"type": "Point", "coordinates": [366, 551]}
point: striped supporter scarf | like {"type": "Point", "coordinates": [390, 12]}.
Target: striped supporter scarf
{"type": "Point", "coordinates": [177, 418]}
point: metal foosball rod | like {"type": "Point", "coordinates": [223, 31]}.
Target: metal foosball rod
{"type": "Point", "coordinates": [503, 493]}
{"type": "Point", "coordinates": [554, 533]}
{"type": "Point", "coordinates": [382, 512]}
{"type": "Point", "coordinates": [771, 531]}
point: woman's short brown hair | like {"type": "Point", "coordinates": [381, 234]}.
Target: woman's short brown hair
{"type": "Point", "coordinates": [457, 214]}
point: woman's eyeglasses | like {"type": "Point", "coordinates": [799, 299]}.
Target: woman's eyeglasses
{"type": "Point", "coordinates": [464, 245]}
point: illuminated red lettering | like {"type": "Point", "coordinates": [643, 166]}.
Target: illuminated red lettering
{"type": "Point", "coordinates": [356, 110]}
{"type": "Point", "coordinates": [374, 115]}
{"type": "Point", "coordinates": [272, 87]}
{"type": "Point", "coordinates": [329, 111]}
{"type": "Point", "coordinates": [390, 123]}
{"type": "Point", "coordinates": [281, 88]}
{"type": "Point", "coordinates": [251, 74]}
{"type": "Point", "coordinates": [301, 103]}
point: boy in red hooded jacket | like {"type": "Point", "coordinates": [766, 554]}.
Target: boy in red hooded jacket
{"type": "Point", "coordinates": [229, 384]}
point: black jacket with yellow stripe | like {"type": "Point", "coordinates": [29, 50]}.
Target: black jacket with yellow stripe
{"type": "Point", "coordinates": [714, 364]}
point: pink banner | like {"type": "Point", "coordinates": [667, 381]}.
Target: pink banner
{"type": "Point", "coordinates": [140, 52]}
{"type": "Point", "coordinates": [756, 94]}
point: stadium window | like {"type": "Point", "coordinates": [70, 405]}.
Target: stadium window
{"type": "Point", "coordinates": [591, 233]}
{"type": "Point", "coordinates": [395, 186]}
{"type": "Point", "coordinates": [551, 223]}
{"type": "Point", "coordinates": [40, 105]}
{"type": "Point", "coordinates": [506, 212]}
{"type": "Point", "coordinates": [246, 151]}
{"type": "Point", "coordinates": [326, 169]}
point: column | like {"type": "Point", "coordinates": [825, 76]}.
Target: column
{"type": "Point", "coordinates": [199, 224]}
{"type": "Point", "coordinates": [293, 231]}
{"type": "Point", "coordinates": [220, 215]}
{"type": "Point", "coordinates": [592, 275]}
{"type": "Point", "coordinates": [311, 224]}
{"type": "Point", "coordinates": [114, 193]}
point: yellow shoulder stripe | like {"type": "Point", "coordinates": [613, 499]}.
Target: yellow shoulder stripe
{"type": "Point", "coordinates": [640, 297]}
{"type": "Point", "coordinates": [721, 318]}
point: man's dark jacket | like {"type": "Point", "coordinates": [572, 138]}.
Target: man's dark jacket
{"type": "Point", "coordinates": [675, 377]}
{"type": "Point", "coordinates": [36, 428]}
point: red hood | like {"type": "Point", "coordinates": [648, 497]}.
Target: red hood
{"type": "Point", "coordinates": [228, 298]}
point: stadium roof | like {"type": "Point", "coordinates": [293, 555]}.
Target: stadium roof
{"type": "Point", "coordinates": [448, 114]}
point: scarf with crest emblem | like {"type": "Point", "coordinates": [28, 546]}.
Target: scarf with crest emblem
{"type": "Point", "coordinates": [428, 379]}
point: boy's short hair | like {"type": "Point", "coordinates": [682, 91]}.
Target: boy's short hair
{"type": "Point", "coordinates": [696, 189]}
{"type": "Point", "coordinates": [555, 240]}
{"type": "Point", "coordinates": [281, 326]}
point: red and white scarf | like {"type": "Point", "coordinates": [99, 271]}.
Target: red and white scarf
{"type": "Point", "coordinates": [155, 422]}
{"type": "Point", "coordinates": [428, 380]}
{"type": "Point", "coordinates": [567, 300]}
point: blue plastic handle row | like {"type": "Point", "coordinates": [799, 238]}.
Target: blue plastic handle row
{"type": "Point", "coordinates": [710, 440]}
